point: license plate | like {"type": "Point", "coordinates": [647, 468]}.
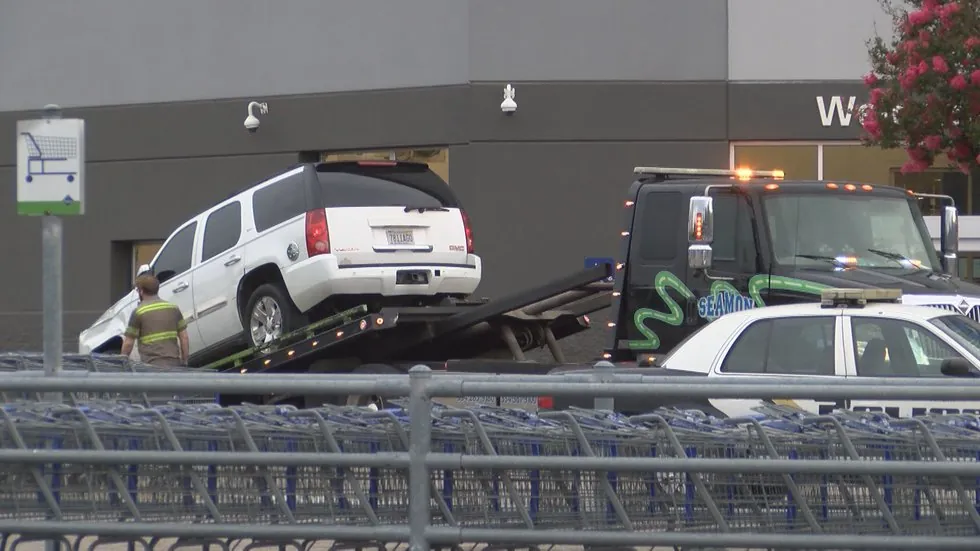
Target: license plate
{"type": "Point", "coordinates": [400, 237]}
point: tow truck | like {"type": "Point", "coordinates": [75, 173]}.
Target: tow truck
{"type": "Point", "coordinates": [749, 239]}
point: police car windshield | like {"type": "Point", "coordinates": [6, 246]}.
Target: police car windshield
{"type": "Point", "coordinates": [838, 230]}
{"type": "Point", "coordinates": [963, 330]}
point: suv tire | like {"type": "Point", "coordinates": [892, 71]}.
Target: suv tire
{"type": "Point", "coordinates": [270, 311]}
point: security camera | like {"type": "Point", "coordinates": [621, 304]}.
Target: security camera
{"type": "Point", "coordinates": [509, 105]}
{"type": "Point", "coordinates": [251, 121]}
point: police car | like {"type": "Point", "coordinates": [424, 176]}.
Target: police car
{"type": "Point", "coordinates": [851, 333]}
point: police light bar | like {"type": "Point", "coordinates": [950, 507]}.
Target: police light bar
{"type": "Point", "coordinates": [831, 298]}
{"type": "Point", "coordinates": [740, 173]}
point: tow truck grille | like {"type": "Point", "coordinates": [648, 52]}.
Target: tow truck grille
{"type": "Point", "coordinates": [974, 312]}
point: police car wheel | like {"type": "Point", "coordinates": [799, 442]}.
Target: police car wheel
{"type": "Point", "coordinates": [269, 315]}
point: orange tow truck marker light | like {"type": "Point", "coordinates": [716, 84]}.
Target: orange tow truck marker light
{"type": "Point", "coordinates": [771, 187]}
{"type": "Point", "coordinates": [831, 185]}
{"type": "Point", "coordinates": [866, 187]}
{"type": "Point", "coordinates": [850, 187]}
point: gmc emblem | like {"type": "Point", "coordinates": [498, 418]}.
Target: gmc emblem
{"type": "Point", "coordinates": [457, 248]}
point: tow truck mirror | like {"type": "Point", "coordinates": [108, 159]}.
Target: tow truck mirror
{"type": "Point", "coordinates": [949, 239]}
{"type": "Point", "coordinates": [700, 232]}
{"type": "Point", "coordinates": [958, 367]}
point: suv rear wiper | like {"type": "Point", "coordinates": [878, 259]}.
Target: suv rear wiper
{"type": "Point", "coordinates": [423, 209]}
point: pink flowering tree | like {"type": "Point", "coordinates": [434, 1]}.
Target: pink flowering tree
{"type": "Point", "coordinates": [924, 84]}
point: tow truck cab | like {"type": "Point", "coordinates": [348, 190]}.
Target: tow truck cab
{"type": "Point", "coordinates": [698, 244]}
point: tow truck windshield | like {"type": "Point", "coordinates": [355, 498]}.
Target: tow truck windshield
{"type": "Point", "coordinates": [835, 231]}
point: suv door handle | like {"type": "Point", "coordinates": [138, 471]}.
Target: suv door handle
{"type": "Point", "coordinates": [182, 286]}
{"type": "Point", "coordinates": [234, 259]}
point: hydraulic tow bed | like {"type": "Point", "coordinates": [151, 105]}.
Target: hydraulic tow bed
{"type": "Point", "coordinates": [500, 329]}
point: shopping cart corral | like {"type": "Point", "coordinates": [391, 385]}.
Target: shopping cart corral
{"type": "Point", "coordinates": [432, 475]}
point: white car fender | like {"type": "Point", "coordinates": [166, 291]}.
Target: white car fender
{"type": "Point", "coordinates": [108, 327]}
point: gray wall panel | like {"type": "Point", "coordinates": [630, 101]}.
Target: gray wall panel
{"type": "Point", "coordinates": [591, 40]}
{"type": "Point", "coordinates": [320, 122]}
{"type": "Point", "coordinates": [802, 39]}
{"type": "Point", "coordinates": [600, 111]}
{"type": "Point", "coordinates": [539, 209]}
{"type": "Point", "coordinates": [108, 52]}
{"type": "Point", "coordinates": [793, 111]}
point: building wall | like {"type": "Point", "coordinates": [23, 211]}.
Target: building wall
{"type": "Point", "coordinates": [113, 52]}
{"type": "Point", "coordinates": [117, 52]}
{"type": "Point", "coordinates": [793, 40]}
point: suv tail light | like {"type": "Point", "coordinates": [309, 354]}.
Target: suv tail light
{"type": "Point", "coordinates": [317, 233]}
{"type": "Point", "coordinates": [469, 232]}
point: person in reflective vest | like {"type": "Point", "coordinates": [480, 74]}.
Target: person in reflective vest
{"type": "Point", "coordinates": [157, 326]}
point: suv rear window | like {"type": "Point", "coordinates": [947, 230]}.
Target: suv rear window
{"type": "Point", "coordinates": [350, 184]}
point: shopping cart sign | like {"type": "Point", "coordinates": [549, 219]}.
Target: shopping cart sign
{"type": "Point", "coordinates": [51, 167]}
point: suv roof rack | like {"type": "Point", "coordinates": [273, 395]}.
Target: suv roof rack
{"type": "Point", "coordinates": [740, 173]}
{"type": "Point", "coordinates": [857, 298]}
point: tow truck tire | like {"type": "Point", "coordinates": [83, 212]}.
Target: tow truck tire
{"type": "Point", "coordinates": [338, 367]}
{"type": "Point", "coordinates": [290, 317]}
{"type": "Point", "coordinates": [372, 369]}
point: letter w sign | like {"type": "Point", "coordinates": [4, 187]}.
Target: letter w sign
{"type": "Point", "coordinates": [836, 107]}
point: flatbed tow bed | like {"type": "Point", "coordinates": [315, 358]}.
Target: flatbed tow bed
{"type": "Point", "coordinates": [466, 336]}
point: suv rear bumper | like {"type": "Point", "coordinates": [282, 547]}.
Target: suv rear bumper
{"type": "Point", "coordinates": [311, 281]}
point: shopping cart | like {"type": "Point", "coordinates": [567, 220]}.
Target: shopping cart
{"type": "Point", "coordinates": [503, 497]}
{"type": "Point", "coordinates": [80, 364]}
{"type": "Point", "coordinates": [45, 149]}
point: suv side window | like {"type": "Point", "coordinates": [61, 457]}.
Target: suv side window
{"type": "Point", "coordinates": [175, 257]}
{"type": "Point", "coordinates": [894, 348]}
{"type": "Point", "coordinates": [279, 202]}
{"type": "Point", "coordinates": [222, 230]}
{"type": "Point", "coordinates": [788, 346]}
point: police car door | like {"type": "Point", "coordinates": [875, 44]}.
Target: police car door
{"type": "Point", "coordinates": [888, 348]}
{"type": "Point", "coordinates": [801, 346]}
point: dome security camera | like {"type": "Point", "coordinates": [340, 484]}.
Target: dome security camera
{"type": "Point", "coordinates": [251, 121]}
{"type": "Point", "coordinates": [509, 105]}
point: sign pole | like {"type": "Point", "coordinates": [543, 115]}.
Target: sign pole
{"type": "Point", "coordinates": [52, 285]}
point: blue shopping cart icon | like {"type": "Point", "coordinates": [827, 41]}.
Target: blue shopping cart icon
{"type": "Point", "coordinates": [48, 149]}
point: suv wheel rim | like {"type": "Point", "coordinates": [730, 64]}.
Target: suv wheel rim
{"type": "Point", "coordinates": [266, 321]}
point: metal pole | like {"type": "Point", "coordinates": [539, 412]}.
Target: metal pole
{"type": "Point", "coordinates": [602, 374]}
{"type": "Point", "coordinates": [420, 424]}
{"type": "Point", "coordinates": [51, 290]}
{"type": "Point", "coordinates": [51, 286]}
{"type": "Point", "coordinates": [51, 304]}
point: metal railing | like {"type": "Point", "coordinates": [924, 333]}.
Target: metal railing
{"type": "Point", "coordinates": [914, 493]}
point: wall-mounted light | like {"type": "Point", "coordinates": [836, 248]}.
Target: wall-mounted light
{"type": "Point", "coordinates": [508, 106]}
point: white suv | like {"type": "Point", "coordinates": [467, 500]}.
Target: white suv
{"type": "Point", "coordinates": [297, 247]}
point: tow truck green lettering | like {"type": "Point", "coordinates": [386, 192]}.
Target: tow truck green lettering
{"type": "Point", "coordinates": [675, 315]}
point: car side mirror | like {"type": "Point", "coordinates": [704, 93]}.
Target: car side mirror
{"type": "Point", "coordinates": [949, 239]}
{"type": "Point", "coordinates": [700, 232]}
{"type": "Point", "coordinates": [143, 269]}
{"type": "Point", "coordinates": [958, 367]}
